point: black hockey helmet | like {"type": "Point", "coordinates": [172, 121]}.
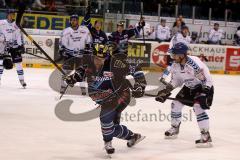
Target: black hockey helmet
{"type": "Point", "coordinates": [120, 23]}
{"type": "Point", "coordinates": [7, 62]}
{"type": "Point", "coordinates": [194, 34]}
{"type": "Point", "coordinates": [101, 51]}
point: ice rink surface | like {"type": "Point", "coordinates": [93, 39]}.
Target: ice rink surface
{"type": "Point", "coordinates": [30, 130]}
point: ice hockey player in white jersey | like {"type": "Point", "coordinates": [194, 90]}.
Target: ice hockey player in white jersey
{"type": "Point", "coordinates": [74, 42]}
{"type": "Point", "coordinates": [2, 51]}
{"type": "Point", "coordinates": [197, 92]}
{"type": "Point", "coordinates": [163, 33]}
{"type": "Point", "coordinates": [14, 44]}
{"type": "Point", "coordinates": [215, 35]}
{"type": "Point", "coordinates": [146, 29]}
{"type": "Point", "coordinates": [237, 37]}
{"type": "Point", "coordinates": [182, 36]}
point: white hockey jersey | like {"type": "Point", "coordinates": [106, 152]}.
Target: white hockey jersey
{"type": "Point", "coordinates": [163, 33]}
{"type": "Point", "coordinates": [194, 72]}
{"type": "Point", "coordinates": [2, 43]}
{"type": "Point", "coordinates": [12, 33]}
{"type": "Point", "coordinates": [74, 41]}
{"type": "Point", "coordinates": [147, 30]}
{"type": "Point", "coordinates": [179, 38]}
{"type": "Point", "coordinates": [215, 36]}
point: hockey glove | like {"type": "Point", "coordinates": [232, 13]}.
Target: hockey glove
{"type": "Point", "coordinates": [163, 95]}
{"type": "Point", "coordinates": [141, 23]}
{"type": "Point", "coordinates": [138, 90]}
{"type": "Point", "coordinates": [72, 79]}
{"type": "Point", "coordinates": [21, 49]}
{"type": "Point", "coordinates": [202, 98]}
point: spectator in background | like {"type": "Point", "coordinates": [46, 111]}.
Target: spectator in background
{"type": "Point", "coordinates": [237, 37]}
{"type": "Point", "coordinates": [182, 37]}
{"type": "Point", "coordinates": [177, 27]}
{"type": "Point", "coordinates": [2, 3]}
{"type": "Point", "coordinates": [146, 29]}
{"type": "Point", "coordinates": [50, 5]}
{"type": "Point", "coordinates": [38, 5]}
{"type": "Point", "coordinates": [152, 36]}
{"type": "Point", "coordinates": [194, 38]}
{"type": "Point", "coordinates": [180, 18]}
{"type": "Point", "coordinates": [163, 33]}
{"type": "Point", "coordinates": [215, 35]}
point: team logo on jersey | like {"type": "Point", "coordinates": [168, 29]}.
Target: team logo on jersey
{"type": "Point", "coordinates": [107, 74]}
{"type": "Point", "coordinates": [83, 32]}
{"type": "Point", "coordinates": [119, 64]}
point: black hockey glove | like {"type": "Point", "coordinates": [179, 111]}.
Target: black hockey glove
{"type": "Point", "coordinates": [141, 23]}
{"type": "Point", "coordinates": [72, 79]}
{"type": "Point", "coordinates": [163, 95]}
{"type": "Point", "coordinates": [202, 97]}
{"type": "Point", "coordinates": [138, 90]}
{"type": "Point", "coordinates": [21, 49]}
{"type": "Point", "coordinates": [62, 52]}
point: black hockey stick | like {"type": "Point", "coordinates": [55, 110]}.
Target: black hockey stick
{"type": "Point", "coordinates": [38, 56]}
{"type": "Point", "coordinates": [170, 98]}
{"type": "Point", "coordinates": [141, 18]}
{"type": "Point", "coordinates": [18, 21]}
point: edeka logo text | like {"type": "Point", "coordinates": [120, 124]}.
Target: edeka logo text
{"type": "Point", "coordinates": [50, 22]}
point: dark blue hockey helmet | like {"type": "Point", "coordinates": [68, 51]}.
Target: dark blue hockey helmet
{"type": "Point", "coordinates": [180, 48]}
{"type": "Point", "coordinates": [74, 16]}
{"type": "Point", "coordinates": [9, 11]}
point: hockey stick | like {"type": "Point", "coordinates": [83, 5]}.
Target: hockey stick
{"type": "Point", "coordinates": [170, 98]}
{"type": "Point", "coordinates": [141, 18]}
{"type": "Point", "coordinates": [18, 21]}
{"type": "Point", "coordinates": [38, 56]}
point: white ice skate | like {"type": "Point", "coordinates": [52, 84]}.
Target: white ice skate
{"type": "Point", "coordinates": [135, 138]}
{"type": "Point", "coordinates": [108, 147]}
{"type": "Point", "coordinates": [23, 83]}
{"type": "Point", "coordinates": [205, 141]}
{"type": "Point", "coordinates": [172, 133]}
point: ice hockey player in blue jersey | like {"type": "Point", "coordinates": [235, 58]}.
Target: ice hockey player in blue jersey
{"type": "Point", "coordinates": [108, 87]}
{"type": "Point", "coordinates": [98, 36]}
{"type": "Point", "coordinates": [191, 73]}
{"type": "Point", "coordinates": [121, 36]}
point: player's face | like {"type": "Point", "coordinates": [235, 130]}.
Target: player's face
{"type": "Point", "coordinates": [98, 26]}
{"type": "Point", "coordinates": [185, 32]}
{"type": "Point", "coordinates": [10, 16]}
{"type": "Point", "coordinates": [74, 22]}
{"type": "Point", "coordinates": [98, 61]}
{"type": "Point", "coordinates": [120, 28]}
{"type": "Point", "coordinates": [178, 58]}
{"type": "Point", "coordinates": [163, 23]}
{"type": "Point", "coordinates": [216, 27]}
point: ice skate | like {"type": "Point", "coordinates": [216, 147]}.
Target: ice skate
{"type": "Point", "coordinates": [205, 141]}
{"type": "Point", "coordinates": [135, 138]}
{"type": "Point", "coordinates": [62, 89]}
{"type": "Point", "coordinates": [23, 83]}
{"type": "Point", "coordinates": [83, 89]}
{"type": "Point", "coordinates": [108, 147]}
{"type": "Point", "coordinates": [172, 133]}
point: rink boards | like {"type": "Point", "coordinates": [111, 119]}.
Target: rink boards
{"type": "Point", "coordinates": [150, 54]}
